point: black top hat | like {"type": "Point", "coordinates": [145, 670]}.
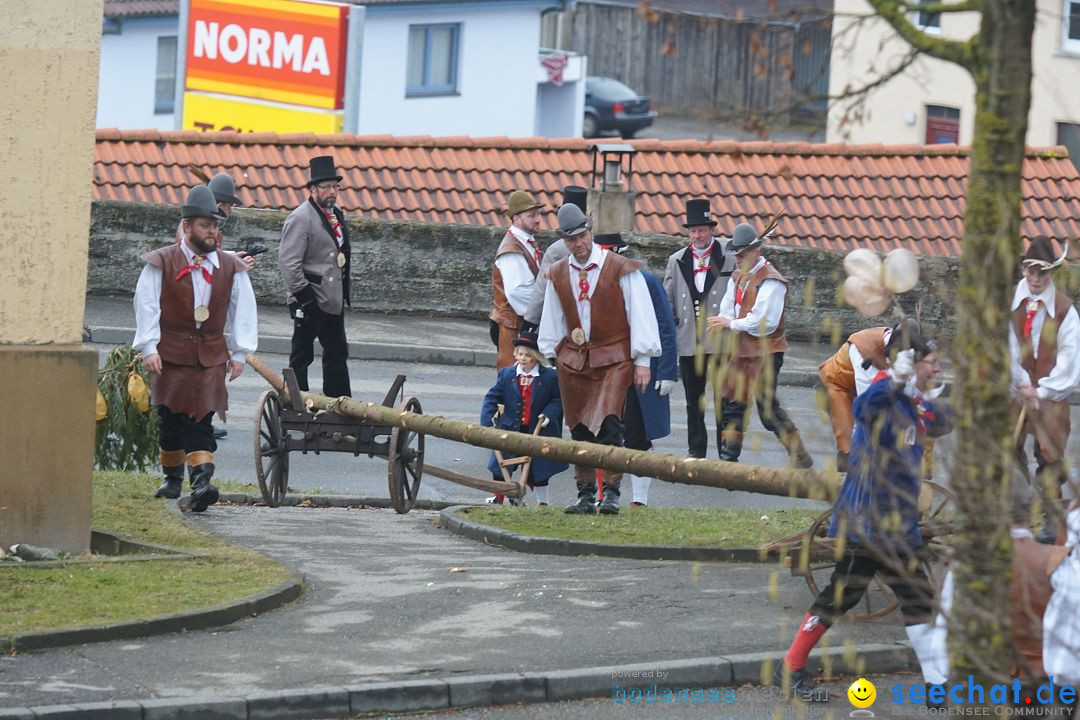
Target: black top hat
{"type": "Point", "coordinates": [908, 335]}
{"type": "Point", "coordinates": [577, 195]}
{"type": "Point", "coordinates": [527, 339]}
{"type": "Point", "coordinates": [745, 237]}
{"type": "Point", "coordinates": [698, 213]}
{"type": "Point", "coordinates": [612, 242]}
{"type": "Point", "coordinates": [322, 169]}
{"type": "Point", "coordinates": [201, 203]}
{"type": "Point", "coordinates": [1040, 254]}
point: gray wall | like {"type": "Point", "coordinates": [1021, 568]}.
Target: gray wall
{"type": "Point", "coordinates": [438, 269]}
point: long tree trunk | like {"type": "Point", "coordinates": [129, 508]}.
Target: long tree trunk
{"type": "Point", "coordinates": [980, 641]}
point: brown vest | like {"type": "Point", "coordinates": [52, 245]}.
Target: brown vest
{"type": "Point", "coordinates": [749, 345]}
{"type": "Point", "coordinates": [181, 343]}
{"type": "Point", "coordinates": [1029, 594]}
{"type": "Point", "coordinates": [871, 345]}
{"type": "Point", "coordinates": [501, 310]}
{"type": "Point", "coordinates": [1040, 367]}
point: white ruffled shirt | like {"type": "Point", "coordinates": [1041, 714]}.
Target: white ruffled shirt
{"type": "Point", "coordinates": [644, 331]}
{"type": "Point", "coordinates": [1065, 377]}
{"type": "Point", "coordinates": [768, 306]}
{"type": "Point", "coordinates": [241, 323]}
{"type": "Point", "coordinates": [518, 279]}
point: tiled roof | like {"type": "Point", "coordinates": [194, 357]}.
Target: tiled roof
{"type": "Point", "coordinates": [836, 196]}
{"type": "Point", "coordinates": [137, 8]}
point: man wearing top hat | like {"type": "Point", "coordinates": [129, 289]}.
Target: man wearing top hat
{"type": "Point", "coordinates": [575, 195]}
{"type": "Point", "coordinates": [752, 316]}
{"type": "Point", "coordinates": [695, 279]}
{"type": "Point", "coordinates": [517, 262]}
{"type": "Point", "coordinates": [598, 321]}
{"type": "Point", "coordinates": [1044, 343]}
{"type": "Point", "coordinates": [314, 259]}
{"type": "Point", "coordinates": [188, 298]}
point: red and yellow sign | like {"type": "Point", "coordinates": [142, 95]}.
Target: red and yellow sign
{"type": "Point", "coordinates": [211, 113]}
{"type": "Point", "coordinates": [290, 51]}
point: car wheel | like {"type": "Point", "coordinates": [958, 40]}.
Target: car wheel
{"type": "Point", "coordinates": [591, 126]}
{"type": "Point", "coordinates": [627, 134]}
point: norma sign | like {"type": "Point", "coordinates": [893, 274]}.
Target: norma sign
{"type": "Point", "coordinates": [210, 113]}
{"type": "Point", "coordinates": [288, 51]}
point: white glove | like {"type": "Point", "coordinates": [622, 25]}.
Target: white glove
{"type": "Point", "coordinates": [664, 387]}
{"type": "Point", "coordinates": [903, 367]}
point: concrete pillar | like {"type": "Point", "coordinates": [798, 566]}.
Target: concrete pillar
{"type": "Point", "coordinates": [49, 50]}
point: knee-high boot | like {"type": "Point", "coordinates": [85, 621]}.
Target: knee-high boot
{"type": "Point", "coordinates": [200, 473]}
{"type": "Point", "coordinates": [172, 464]}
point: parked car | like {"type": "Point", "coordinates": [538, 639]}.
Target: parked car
{"type": "Point", "coordinates": [610, 105]}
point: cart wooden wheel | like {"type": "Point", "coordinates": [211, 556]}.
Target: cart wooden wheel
{"type": "Point", "coordinates": [878, 600]}
{"type": "Point", "coordinates": [271, 457]}
{"type": "Point", "coordinates": [405, 462]}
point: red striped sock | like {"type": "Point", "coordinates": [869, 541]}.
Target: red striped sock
{"type": "Point", "coordinates": [809, 633]}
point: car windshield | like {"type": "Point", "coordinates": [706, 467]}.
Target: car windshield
{"type": "Point", "coordinates": [609, 89]}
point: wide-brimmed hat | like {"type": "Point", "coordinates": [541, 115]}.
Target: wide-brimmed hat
{"type": "Point", "coordinates": [1040, 254]}
{"type": "Point", "coordinates": [698, 213]}
{"type": "Point", "coordinates": [519, 202]}
{"type": "Point", "coordinates": [744, 238]}
{"type": "Point", "coordinates": [611, 241]}
{"type": "Point", "coordinates": [572, 221]}
{"type": "Point", "coordinates": [200, 203]}
{"type": "Point", "coordinates": [577, 195]}
{"type": "Point", "coordinates": [224, 189]}
{"type": "Point", "coordinates": [908, 335]}
{"type": "Point", "coordinates": [323, 169]}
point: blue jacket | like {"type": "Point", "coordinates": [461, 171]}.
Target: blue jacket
{"type": "Point", "coordinates": [545, 400]}
{"type": "Point", "coordinates": [656, 408]}
{"type": "Point", "coordinates": [878, 505]}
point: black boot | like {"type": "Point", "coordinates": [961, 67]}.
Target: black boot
{"type": "Point", "coordinates": [610, 504]}
{"type": "Point", "coordinates": [174, 483]}
{"type": "Point", "coordinates": [800, 685]}
{"type": "Point", "coordinates": [731, 445]}
{"type": "Point", "coordinates": [219, 433]}
{"type": "Point", "coordinates": [586, 502]}
{"type": "Point", "coordinates": [203, 494]}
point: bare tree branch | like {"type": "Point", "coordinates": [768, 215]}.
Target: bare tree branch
{"type": "Point", "coordinates": [895, 12]}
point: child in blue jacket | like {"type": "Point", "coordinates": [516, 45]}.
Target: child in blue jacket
{"type": "Point", "coordinates": [527, 390]}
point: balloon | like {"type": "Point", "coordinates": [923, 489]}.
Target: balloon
{"type": "Point", "coordinates": [869, 298]}
{"type": "Point", "coordinates": [901, 270]}
{"type": "Point", "coordinates": [863, 263]}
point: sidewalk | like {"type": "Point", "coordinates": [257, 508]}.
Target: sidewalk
{"type": "Point", "coordinates": [384, 606]}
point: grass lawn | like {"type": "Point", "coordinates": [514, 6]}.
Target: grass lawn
{"type": "Point", "coordinates": [96, 593]}
{"type": "Point", "coordinates": [698, 527]}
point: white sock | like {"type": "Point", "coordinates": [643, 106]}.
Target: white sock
{"type": "Point", "coordinates": [641, 488]}
{"type": "Point", "coordinates": [541, 493]}
{"type": "Point", "coordinates": [928, 642]}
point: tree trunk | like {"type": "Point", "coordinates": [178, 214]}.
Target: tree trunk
{"type": "Point", "coordinates": [673, 468]}
{"type": "Point", "coordinates": [980, 643]}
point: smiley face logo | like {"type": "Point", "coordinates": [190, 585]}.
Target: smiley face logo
{"type": "Point", "coordinates": [862, 693]}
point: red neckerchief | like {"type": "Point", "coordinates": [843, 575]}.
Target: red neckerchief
{"type": "Point", "coordinates": [740, 289]}
{"type": "Point", "coordinates": [1033, 305]}
{"type": "Point", "coordinates": [335, 225]}
{"type": "Point", "coordinates": [525, 382]}
{"type": "Point", "coordinates": [700, 264]}
{"type": "Point", "coordinates": [197, 264]}
{"type": "Point", "coordinates": [583, 281]}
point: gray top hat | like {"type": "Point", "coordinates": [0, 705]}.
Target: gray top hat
{"type": "Point", "coordinates": [224, 189]}
{"type": "Point", "coordinates": [201, 203]}
{"type": "Point", "coordinates": [745, 237]}
{"type": "Point", "coordinates": [572, 221]}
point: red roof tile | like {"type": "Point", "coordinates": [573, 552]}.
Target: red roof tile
{"type": "Point", "coordinates": [836, 196]}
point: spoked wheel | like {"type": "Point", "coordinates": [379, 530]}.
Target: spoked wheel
{"type": "Point", "coordinates": [271, 457]}
{"type": "Point", "coordinates": [878, 600]}
{"type": "Point", "coordinates": [405, 462]}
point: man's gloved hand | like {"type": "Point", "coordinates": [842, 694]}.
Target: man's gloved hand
{"type": "Point", "coordinates": [903, 367]}
{"type": "Point", "coordinates": [664, 386]}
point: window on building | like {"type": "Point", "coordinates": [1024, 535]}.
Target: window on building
{"type": "Point", "coordinates": [551, 30]}
{"type": "Point", "coordinates": [1070, 31]}
{"type": "Point", "coordinates": [433, 60]}
{"type": "Point", "coordinates": [930, 21]}
{"type": "Point", "coordinates": [942, 125]}
{"type": "Point", "coordinates": [1068, 134]}
{"type": "Point", "coordinates": [165, 83]}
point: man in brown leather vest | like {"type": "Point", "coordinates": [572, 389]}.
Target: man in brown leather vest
{"type": "Point", "coordinates": [517, 261]}
{"type": "Point", "coordinates": [598, 321]}
{"type": "Point", "coordinates": [187, 298]}
{"type": "Point", "coordinates": [752, 313]}
{"type": "Point", "coordinates": [1044, 341]}
{"type": "Point", "coordinates": [855, 364]}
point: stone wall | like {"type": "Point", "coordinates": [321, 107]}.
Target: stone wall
{"type": "Point", "coordinates": [446, 269]}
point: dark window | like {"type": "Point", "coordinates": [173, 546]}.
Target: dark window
{"type": "Point", "coordinates": [608, 89]}
{"type": "Point", "coordinates": [942, 125]}
{"type": "Point", "coordinates": [1072, 24]}
{"type": "Point", "coordinates": [928, 20]}
{"type": "Point", "coordinates": [433, 59]}
{"type": "Point", "coordinates": [165, 83]}
{"type": "Point", "coordinates": [1068, 134]}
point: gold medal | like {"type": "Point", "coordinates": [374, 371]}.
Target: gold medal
{"type": "Point", "coordinates": [341, 259]}
{"type": "Point", "coordinates": [202, 313]}
{"type": "Point", "coordinates": [578, 336]}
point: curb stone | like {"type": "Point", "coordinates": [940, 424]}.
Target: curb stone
{"type": "Point", "coordinates": [473, 690]}
{"type": "Point", "coordinates": [451, 519]}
